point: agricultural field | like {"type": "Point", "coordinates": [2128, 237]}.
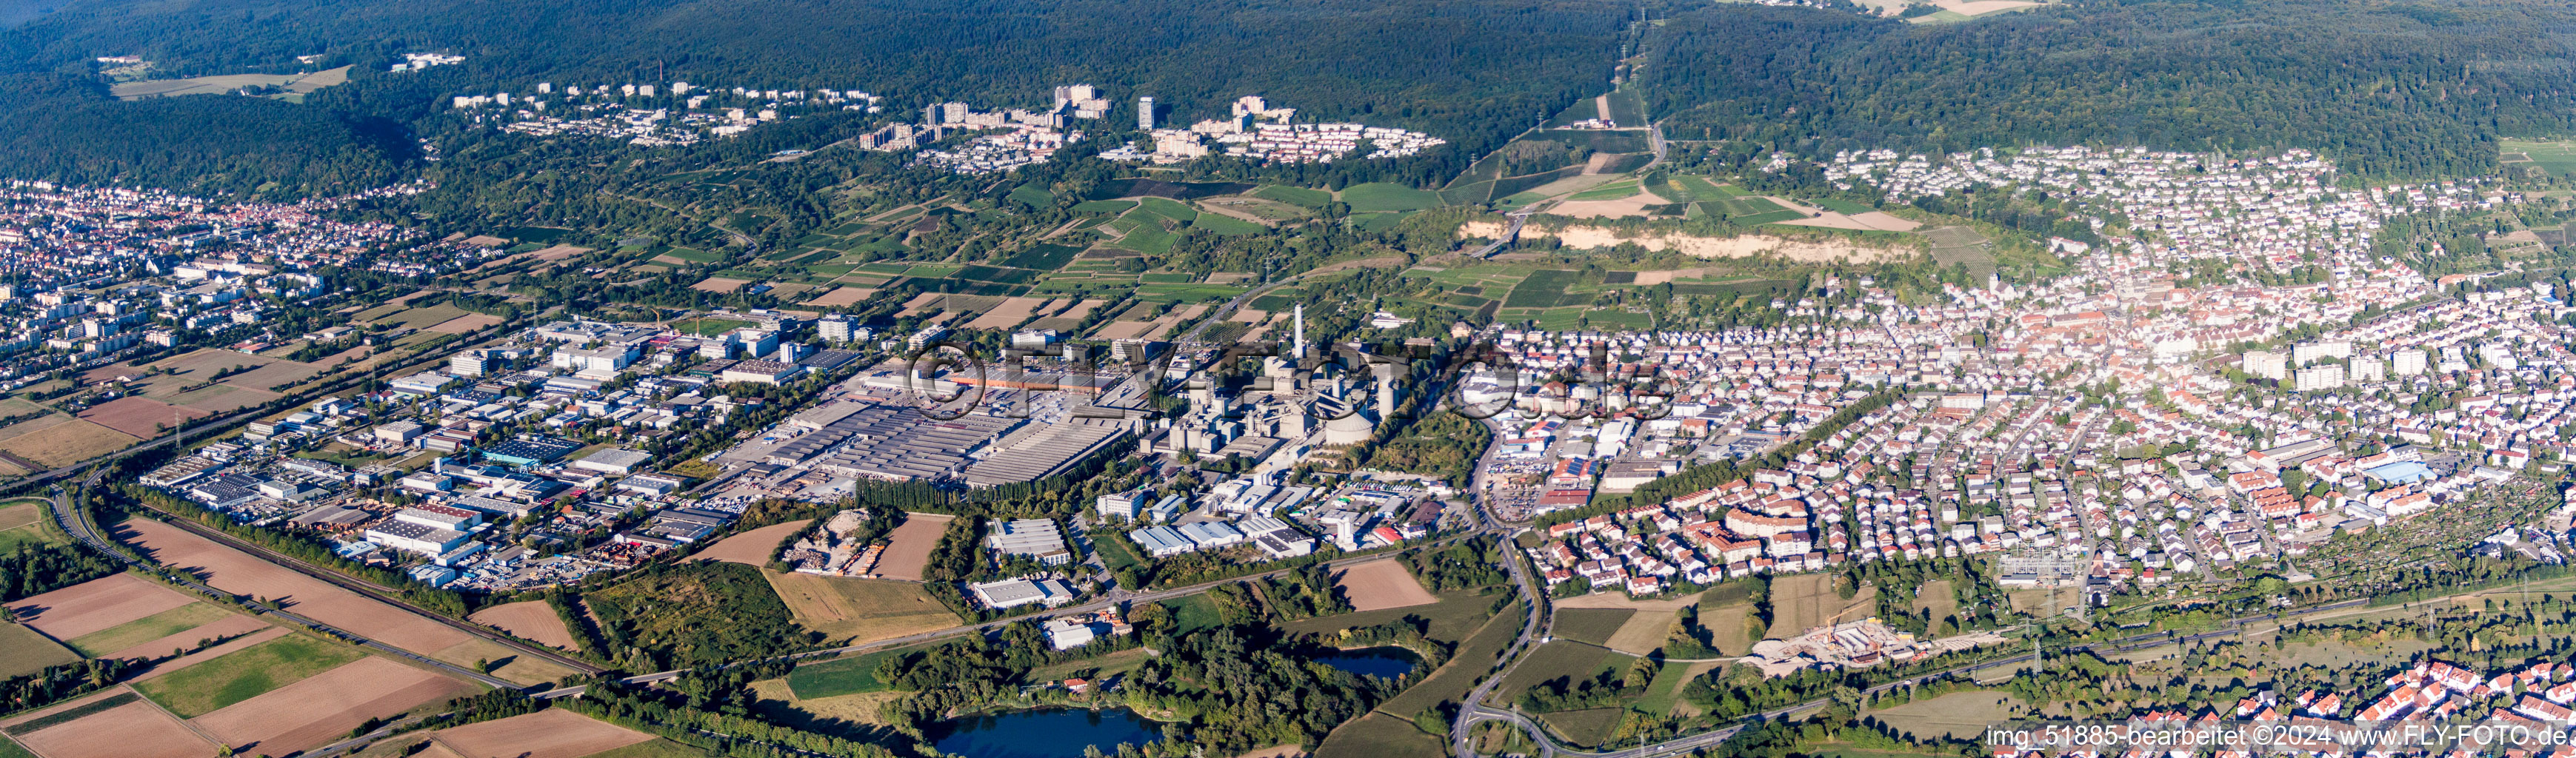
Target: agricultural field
{"type": "Point", "coordinates": [326, 706]}
{"type": "Point", "coordinates": [22, 522]}
{"type": "Point", "coordinates": [908, 546]}
{"type": "Point", "coordinates": [1375, 735]}
{"type": "Point", "coordinates": [1297, 196]}
{"type": "Point", "coordinates": [852, 611]}
{"type": "Point", "coordinates": [140, 730]}
{"type": "Point", "coordinates": [1692, 188]}
{"type": "Point", "coordinates": [95, 605]}
{"type": "Point", "coordinates": [23, 651]}
{"type": "Point", "coordinates": [1954, 715]}
{"type": "Point", "coordinates": [847, 675]}
{"type": "Point", "coordinates": [1379, 196]}
{"type": "Point", "coordinates": [61, 440]}
{"type": "Point", "coordinates": [1456, 616]}
{"type": "Point", "coordinates": [1382, 584]}
{"type": "Point", "coordinates": [244, 674]}
{"type": "Point", "coordinates": [550, 733]}
{"type": "Point", "coordinates": [1589, 726]}
{"type": "Point", "coordinates": [294, 86]}
{"type": "Point", "coordinates": [707, 326]}
{"type": "Point", "coordinates": [1590, 625]}
{"type": "Point", "coordinates": [755, 547]}
{"type": "Point", "coordinates": [233, 571]}
{"type": "Point", "coordinates": [159, 626]}
{"type": "Point", "coordinates": [1565, 659]}
{"type": "Point", "coordinates": [532, 620]}
{"type": "Point", "coordinates": [1959, 244]}
{"type": "Point", "coordinates": [1473, 658]}
{"type": "Point", "coordinates": [1805, 601]}
{"type": "Point", "coordinates": [2555, 158]}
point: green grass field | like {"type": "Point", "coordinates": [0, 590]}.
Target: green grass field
{"type": "Point", "coordinates": [709, 326]}
{"type": "Point", "coordinates": [1187, 293]}
{"type": "Point", "coordinates": [9, 749]}
{"type": "Point", "coordinates": [1227, 225]}
{"type": "Point", "coordinates": [1195, 613]}
{"type": "Point", "coordinates": [842, 676]}
{"type": "Point", "coordinates": [22, 523]}
{"type": "Point", "coordinates": [1748, 206]}
{"type": "Point", "coordinates": [1378, 222]}
{"type": "Point", "coordinates": [1573, 661]}
{"type": "Point", "coordinates": [1590, 726]}
{"type": "Point", "coordinates": [1611, 191]}
{"type": "Point", "coordinates": [1593, 625]}
{"type": "Point", "coordinates": [1104, 206]}
{"type": "Point", "coordinates": [1773, 217]}
{"type": "Point", "coordinates": [1380, 196]}
{"type": "Point", "coordinates": [1690, 188]}
{"type": "Point", "coordinates": [1298, 196]}
{"type": "Point", "coordinates": [1377, 735]}
{"type": "Point", "coordinates": [24, 651]}
{"type": "Point", "coordinates": [1143, 236]}
{"type": "Point", "coordinates": [1457, 615]}
{"type": "Point", "coordinates": [148, 628]}
{"type": "Point", "coordinates": [1032, 195]}
{"type": "Point", "coordinates": [1473, 659]}
{"type": "Point", "coordinates": [244, 674]}
{"type": "Point", "coordinates": [1167, 208]}
{"type": "Point", "coordinates": [692, 256]}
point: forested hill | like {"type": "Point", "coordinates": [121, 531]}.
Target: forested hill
{"type": "Point", "coordinates": [2390, 89]}
{"type": "Point", "coordinates": [1472, 71]}
{"type": "Point", "coordinates": [64, 127]}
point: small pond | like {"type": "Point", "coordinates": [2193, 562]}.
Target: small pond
{"type": "Point", "coordinates": [1043, 733]}
{"type": "Point", "coordinates": [1389, 662]}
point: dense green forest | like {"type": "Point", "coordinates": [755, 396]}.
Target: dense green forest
{"type": "Point", "coordinates": [1471, 72]}
{"type": "Point", "coordinates": [64, 127]}
{"type": "Point", "coordinates": [2389, 89]}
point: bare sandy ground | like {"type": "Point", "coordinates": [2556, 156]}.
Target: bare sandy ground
{"type": "Point", "coordinates": [465, 323]}
{"type": "Point", "coordinates": [550, 733]}
{"type": "Point", "coordinates": [719, 284]}
{"type": "Point", "coordinates": [1011, 312]}
{"type": "Point", "coordinates": [755, 547]}
{"type": "Point", "coordinates": [1382, 584]}
{"type": "Point", "coordinates": [1632, 205]}
{"type": "Point", "coordinates": [1746, 246]}
{"type": "Point", "coordinates": [908, 547]}
{"type": "Point", "coordinates": [1871, 221]}
{"type": "Point", "coordinates": [95, 605]}
{"type": "Point", "coordinates": [529, 619]}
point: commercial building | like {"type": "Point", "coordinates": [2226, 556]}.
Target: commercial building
{"type": "Point", "coordinates": [1034, 538]}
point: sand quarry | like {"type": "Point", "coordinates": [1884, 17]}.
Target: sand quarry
{"type": "Point", "coordinates": [1744, 246]}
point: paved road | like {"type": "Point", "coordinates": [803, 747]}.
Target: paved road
{"type": "Point", "coordinates": [73, 523]}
